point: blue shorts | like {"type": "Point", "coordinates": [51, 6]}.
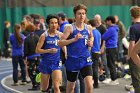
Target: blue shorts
{"type": "Point", "coordinates": [76, 64]}
{"type": "Point", "coordinates": [48, 67]}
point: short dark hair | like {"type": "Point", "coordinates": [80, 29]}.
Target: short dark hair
{"type": "Point", "coordinates": [93, 22]}
{"type": "Point", "coordinates": [110, 18]}
{"type": "Point", "coordinates": [50, 16]}
{"type": "Point", "coordinates": [35, 16]}
{"type": "Point", "coordinates": [6, 23]}
{"type": "Point", "coordinates": [36, 21]}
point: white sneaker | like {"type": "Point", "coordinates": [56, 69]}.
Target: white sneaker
{"type": "Point", "coordinates": [128, 87]}
{"type": "Point", "coordinates": [115, 82]}
{"type": "Point", "coordinates": [107, 81]}
{"type": "Point", "coordinates": [127, 76]}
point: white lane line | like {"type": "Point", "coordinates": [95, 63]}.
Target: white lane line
{"type": "Point", "coordinates": [6, 87]}
{"type": "Point", "coordinates": [5, 68]}
{"type": "Point", "coordinates": [6, 72]}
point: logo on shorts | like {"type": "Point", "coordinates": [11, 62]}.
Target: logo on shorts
{"type": "Point", "coordinates": [89, 59]}
{"type": "Point", "coordinates": [60, 63]}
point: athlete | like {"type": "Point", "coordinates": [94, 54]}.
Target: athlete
{"type": "Point", "coordinates": [47, 46]}
{"type": "Point", "coordinates": [79, 38]}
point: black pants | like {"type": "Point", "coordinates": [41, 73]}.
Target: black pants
{"type": "Point", "coordinates": [32, 70]}
{"type": "Point", "coordinates": [5, 51]}
{"type": "Point", "coordinates": [85, 71]}
{"type": "Point", "coordinates": [95, 66]}
{"type": "Point", "coordinates": [135, 74]}
{"type": "Point", "coordinates": [111, 54]}
{"type": "Point", "coordinates": [15, 61]}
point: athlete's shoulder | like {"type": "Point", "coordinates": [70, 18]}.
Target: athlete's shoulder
{"type": "Point", "coordinates": [43, 35]}
{"type": "Point", "coordinates": [68, 25]}
{"type": "Point", "coordinates": [89, 27]}
{"type": "Point", "coordinates": [68, 28]}
{"type": "Point", "coordinates": [60, 34]}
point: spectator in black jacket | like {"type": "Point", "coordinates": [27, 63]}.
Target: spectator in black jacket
{"type": "Point", "coordinates": [33, 59]}
{"type": "Point", "coordinates": [6, 38]}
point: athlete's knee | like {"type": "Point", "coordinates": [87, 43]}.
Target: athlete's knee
{"type": "Point", "coordinates": [88, 83]}
{"type": "Point", "coordinates": [70, 86]}
{"type": "Point", "coordinates": [89, 86]}
{"type": "Point", "coordinates": [56, 87]}
{"type": "Point", "coordinates": [56, 83]}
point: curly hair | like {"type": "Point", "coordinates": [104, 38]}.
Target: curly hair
{"type": "Point", "coordinates": [78, 7]}
{"type": "Point", "coordinates": [50, 16]}
{"type": "Point", "coordinates": [135, 11]}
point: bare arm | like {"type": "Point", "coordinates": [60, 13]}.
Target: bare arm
{"type": "Point", "coordinates": [131, 45]}
{"type": "Point", "coordinates": [134, 54]}
{"type": "Point", "coordinates": [40, 44]}
{"type": "Point", "coordinates": [64, 48]}
{"type": "Point", "coordinates": [103, 47]}
{"type": "Point", "coordinates": [91, 38]}
{"type": "Point", "coordinates": [67, 31]}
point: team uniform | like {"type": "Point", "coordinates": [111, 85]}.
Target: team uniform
{"type": "Point", "coordinates": [79, 58]}
{"type": "Point", "coordinates": [50, 61]}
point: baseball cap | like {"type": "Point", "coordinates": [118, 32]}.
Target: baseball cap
{"type": "Point", "coordinates": [61, 14]}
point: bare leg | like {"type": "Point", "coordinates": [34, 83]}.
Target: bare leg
{"type": "Point", "coordinates": [44, 81]}
{"type": "Point", "coordinates": [70, 87]}
{"type": "Point", "coordinates": [88, 84]}
{"type": "Point", "coordinates": [56, 77]}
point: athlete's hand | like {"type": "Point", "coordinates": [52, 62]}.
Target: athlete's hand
{"type": "Point", "coordinates": [78, 36]}
{"type": "Point", "coordinates": [102, 50]}
{"type": "Point", "coordinates": [89, 43]}
{"type": "Point", "coordinates": [52, 50]}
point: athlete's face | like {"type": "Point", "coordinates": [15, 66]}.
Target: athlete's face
{"type": "Point", "coordinates": [80, 15]}
{"type": "Point", "coordinates": [53, 24]}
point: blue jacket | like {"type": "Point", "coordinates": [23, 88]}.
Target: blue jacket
{"type": "Point", "coordinates": [111, 36]}
{"type": "Point", "coordinates": [17, 50]}
{"type": "Point", "coordinates": [62, 26]}
{"type": "Point", "coordinates": [97, 41]}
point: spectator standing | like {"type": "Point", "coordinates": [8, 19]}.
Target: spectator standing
{"type": "Point", "coordinates": [102, 29]}
{"type": "Point", "coordinates": [95, 51]}
{"type": "Point", "coordinates": [6, 38]}
{"type": "Point", "coordinates": [134, 54]}
{"type": "Point", "coordinates": [38, 30]}
{"type": "Point", "coordinates": [134, 34]}
{"type": "Point", "coordinates": [32, 58]}
{"type": "Point", "coordinates": [111, 39]}
{"type": "Point", "coordinates": [121, 35]}
{"type": "Point", "coordinates": [17, 40]}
